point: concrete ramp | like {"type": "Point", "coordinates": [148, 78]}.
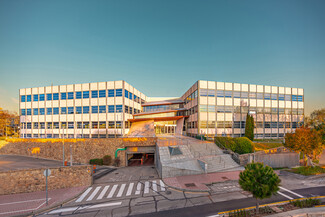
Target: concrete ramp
{"type": "Point", "coordinates": [142, 129]}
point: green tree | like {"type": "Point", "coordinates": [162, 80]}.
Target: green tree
{"type": "Point", "coordinates": [259, 180]}
{"type": "Point", "coordinates": [249, 127]}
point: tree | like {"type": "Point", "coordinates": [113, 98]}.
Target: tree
{"type": "Point", "coordinates": [249, 127]}
{"type": "Point", "coordinates": [305, 140]}
{"type": "Point", "coordinates": [9, 123]}
{"type": "Point", "coordinates": [316, 121]}
{"type": "Point", "coordinates": [259, 180]}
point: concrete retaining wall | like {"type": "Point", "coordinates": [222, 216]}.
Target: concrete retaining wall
{"type": "Point", "coordinates": [82, 150]}
{"type": "Point", "coordinates": [31, 180]}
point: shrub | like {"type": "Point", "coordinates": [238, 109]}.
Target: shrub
{"type": "Point", "coordinates": [107, 160]}
{"type": "Point", "coordinates": [116, 162]}
{"type": "Point", "coordinates": [243, 145]}
{"type": "Point", "coordinates": [307, 171]}
{"type": "Point", "coordinates": [97, 161]}
{"type": "Point", "coordinates": [306, 203]}
{"type": "Point", "coordinates": [226, 142]}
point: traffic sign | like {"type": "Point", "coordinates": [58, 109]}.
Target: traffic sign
{"type": "Point", "coordinates": [47, 172]}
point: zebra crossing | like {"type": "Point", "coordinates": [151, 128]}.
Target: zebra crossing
{"type": "Point", "coordinates": [120, 190]}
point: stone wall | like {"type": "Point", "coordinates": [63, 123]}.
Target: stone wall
{"type": "Point", "coordinates": [276, 158]}
{"type": "Point", "coordinates": [82, 150]}
{"type": "Point", "coordinates": [31, 180]}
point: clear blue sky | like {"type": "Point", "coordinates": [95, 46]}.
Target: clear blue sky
{"type": "Point", "coordinates": [162, 47]}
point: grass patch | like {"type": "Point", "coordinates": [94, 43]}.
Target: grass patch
{"type": "Point", "coordinates": [268, 140]}
{"type": "Point", "coordinates": [306, 203]}
{"type": "Point", "coordinates": [3, 143]}
{"type": "Point", "coordinates": [308, 171]}
{"type": "Point", "coordinates": [266, 145]}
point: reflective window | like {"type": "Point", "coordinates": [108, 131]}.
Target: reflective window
{"type": "Point", "coordinates": [203, 108]}
{"type": "Point", "coordinates": [70, 110]}
{"type": "Point", "coordinates": [203, 92]}
{"type": "Point", "coordinates": [70, 125]}
{"type": "Point", "coordinates": [94, 109]}
{"type": "Point", "coordinates": [78, 95]}
{"type": "Point", "coordinates": [42, 111]}
{"type": "Point", "coordinates": [79, 125]}
{"type": "Point", "coordinates": [94, 125]}
{"type": "Point", "coordinates": [23, 111]}
{"type": "Point", "coordinates": [287, 97]}
{"type": "Point", "coordinates": [29, 98]}
{"type": "Point", "coordinates": [85, 110]}
{"type": "Point", "coordinates": [70, 95]}
{"type": "Point", "coordinates": [41, 97]}
{"type": "Point", "coordinates": [49, 111]}
{"type": "Point", "coordinates": [23, 98]}
{"type": "Point", "coordinates": [236, 94]}
{"type": "Point", "coordinates": [35, 111]}
{"type": "Point", "coordinates": [78, 110]}
{"type": "Point", "coordinates": [102, 93]}
{"type": "Point", "coordinates": [244, 95]}
{"type": "Point", "coordinates": [300, 98]}
{"type": "Point", "coordinates": [228, 94]}
{"type": "Point", "coordinates": [85, 95]}
{"type": "Point", "coordinates": [94, 94]}
{"type": "Point", "coordinates": [252, 95]}
{"type": "Point", "coordinates": [118, 124]}
{"type": "Point", "coordinates": [259, 95]}
{"type": "Point", "coordinates": [102, 125]}
{"type": "Point", "coordinates": [119, 108]}
{"type": "Point", "coordinates": [126, 93]}
{"type": "Point", "coordinates": [35, 98]}
{"type": "Point", "coordinates": [63, 96]}
{"type": "Point", "coordinates": [111, 124]}
{"type": "Point", "coordinates": [220, 93]}
{"type": "Point", "coordinates": [267, 96]}
{"type": "Point", "coordinates": [56, 125]}
{"type": "Point", "coordinates": [111, 93]}
{"type": "Point", "coordinates": [294, 97]}
{"type": "Point", "coordinates": [49, 96]}
{"type": "Point", "coordinates": [102, 109]}
{"type": "Point", "coordinates": [56, 111]}
{"type": "Point", "coordinates": [63, 110]}
{"type": "Point", "coordinates": [281, 97]}
{"type": "Point", "coordinates": [274, 96]}
{"type": "Point", "coordinates": [130, 95]}
{"type": "Point", "coordinates": [42, 125]}
{"type": "Point", "coordinates": [111, 109]}
{"type": "Point", "coordinates": [55, 96]}
{"type": "Point", "coordinates": [85, 125]}
{"type": "Point", "coordinates": [118, 92]}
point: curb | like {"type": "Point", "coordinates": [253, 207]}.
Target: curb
{"type": "Point", "coordinates": [272, 204]}
{"type": "Point", "coordinates": [55, 205]}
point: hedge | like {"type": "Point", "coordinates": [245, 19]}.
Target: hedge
{"type": "Point", "coordinates": [241, 145]}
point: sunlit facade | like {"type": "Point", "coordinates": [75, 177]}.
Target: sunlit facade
{"type": "Point", "coordinates": [90, 110]}
{"type": "Point", "coordinates": [107, 109]}
{"type": "Point", "coordinates": [220, 109]}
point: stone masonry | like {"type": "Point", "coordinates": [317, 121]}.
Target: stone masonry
{"type": "Point", "coordinates": [31, 180]}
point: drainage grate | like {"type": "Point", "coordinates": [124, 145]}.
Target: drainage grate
{"type": "Point", "coordinates": [190, 185]}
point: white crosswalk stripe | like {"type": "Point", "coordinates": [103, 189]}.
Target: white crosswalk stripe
{"type": "Point", "coordinates": [138, 188]}
{"type": "Point", "coordinates": [101, 195]}
{"type": "Point", "coordinates": [146, 187]}
{"type": "Point", "coordinates": [123, 189]}
{"type": "Point", "coordinates": [162, 185]}
{"type": "Point", "coordinates": [294, 193]}
{"type": "Point", "coordinates": [111, 193]}
{"type": "Point", "coordinates": [154, 186]}
{"type": "Point", "coordinates": [128, 193]}
{"type": "Point", "coordinates": [83, 195]}
{"type": "Point", "coordinates": [284, 195]}
{"type": "Point", "coordinates": [93, 194]}
{"type": "Point", "coordinates": [119, 194]}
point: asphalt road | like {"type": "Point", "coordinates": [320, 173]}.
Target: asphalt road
{"type": "Point", "coordinates": [214, 208]}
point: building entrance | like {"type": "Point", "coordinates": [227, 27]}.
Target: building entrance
{"type": "Point", "coordinates": [141, 159]}
{"type": "Point", "coordinates": [165, 127]}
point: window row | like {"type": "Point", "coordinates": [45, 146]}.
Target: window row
{"type": "Point", "coordinates": [246, 95]}
{"type": "Point", "coordinates": [241, 124]}
{"type": "Point", "coordinates": [70, 136]}
{"type": "Point", "coordinates": [81, 95]}
{"type": "Point", "coordinates": [191, 97]}
{"type": "Point", "coordinates": [75, 125]}
{"type": "Point", "coordinates": [80, 110]}
{"type": "Point", "coordinates": [251, 110]}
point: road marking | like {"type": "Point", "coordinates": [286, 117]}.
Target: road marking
{"type": "Point", "coordinates": [111, 193]}
{"type": "Point", "coordinates": [101, 195]}
{"type": "Point", "coordinates": [93, 194]}
{"type": "Point", "coordinates": [138, 188]}
{"type": "Point", "coordinates": [294, 193]}
{"type": "Point", "coordinates": [25, 201]}
{"type": "Point", "coordinates": [162, 185]}
{"type": "Point", "coordinates": [83, 195]}
{"type": "Point", "coordinates": [119, 194]}
{"type": "Point", "coordinates": [154, 186]}
{"type": "Point", "coordinates": [146, 187]}
{"type": "Point", "coordinates": [128, 193]}
{"type": "Point", "coordinates": [72, 209]}
{"type": "Point", "coordinates": [284, 195]}
{"type": "Point", "coordinates": [25, 209]}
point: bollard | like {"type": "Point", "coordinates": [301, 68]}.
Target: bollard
{"type": "Point", "coordinates": [94, 168]}
{"type": "Point", "coordinates": [65, 163]}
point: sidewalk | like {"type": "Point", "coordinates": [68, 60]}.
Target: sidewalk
{"type": "Point", "coordinates": [198, 182]}
{"type": "Point", "coordinates": [307, 212]}
{"type": "Point", "coordinates": [18, 204]}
